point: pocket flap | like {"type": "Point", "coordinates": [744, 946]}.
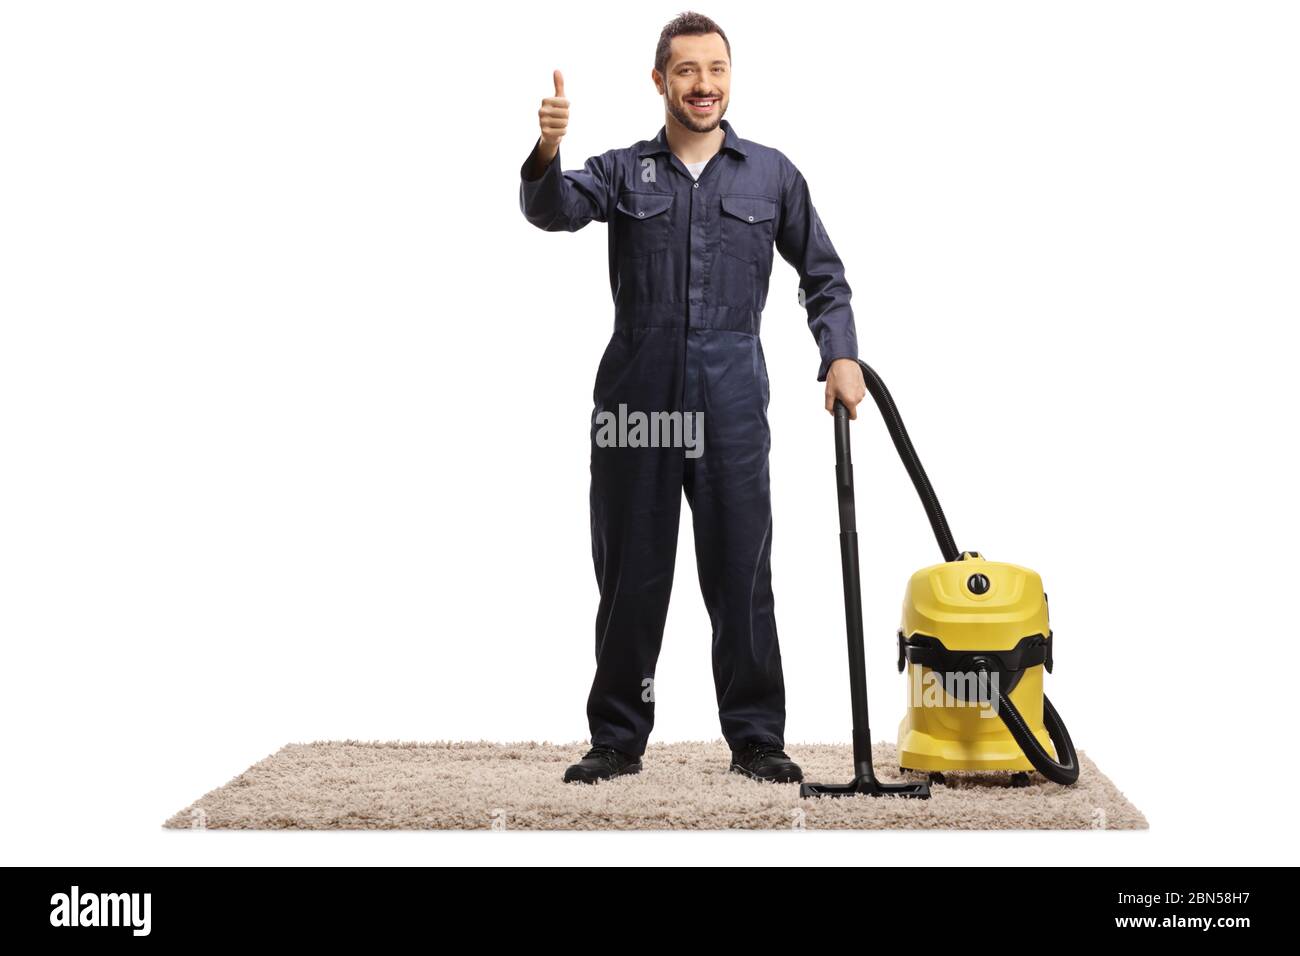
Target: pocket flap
{"type": "Point", "coordinates": [643, 205]}
{"type": "Point", "coordinates": [749, 208]}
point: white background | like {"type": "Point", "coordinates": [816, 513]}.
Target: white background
{"type": "Point", "coordinates": [294, 404]}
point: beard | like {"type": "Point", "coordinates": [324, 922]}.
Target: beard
{"type": "Point", "coordinates": [695, 123]}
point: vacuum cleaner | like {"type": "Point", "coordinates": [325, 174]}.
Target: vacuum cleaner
{"type": "Point", "coordinates": [975, 640]}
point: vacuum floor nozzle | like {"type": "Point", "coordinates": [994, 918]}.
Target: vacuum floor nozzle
{"type": "Point", "coordinates": [869, 788]}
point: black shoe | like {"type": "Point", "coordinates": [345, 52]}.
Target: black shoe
{"type": "Point", "coordinates": [601, 763]}
{"type": "Point", "coordinates": [764, 761]}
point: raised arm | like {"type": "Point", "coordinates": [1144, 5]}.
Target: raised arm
{"type": "Point", "coordinates": [550, 197]}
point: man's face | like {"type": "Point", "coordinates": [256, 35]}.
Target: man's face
{"type": "Point", "coordinates": [697, 81]}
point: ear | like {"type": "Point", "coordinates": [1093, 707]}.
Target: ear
{"type": "Point", "coordinates": [657, 79]}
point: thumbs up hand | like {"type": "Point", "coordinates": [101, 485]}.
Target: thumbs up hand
{"type": "Point", "coordinates": [553, 119]}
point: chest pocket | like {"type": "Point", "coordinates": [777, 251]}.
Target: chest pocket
{"type": "Point", "coordinates": [644, 223]}
{"type": "Point", "coordinates": [747, 227]}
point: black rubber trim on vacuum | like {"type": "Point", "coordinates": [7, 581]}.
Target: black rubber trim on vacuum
{"type": "Point", "coordinates": [930, 652]}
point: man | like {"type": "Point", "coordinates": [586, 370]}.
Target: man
{"type": "Point", "coordinates": [693, 216]}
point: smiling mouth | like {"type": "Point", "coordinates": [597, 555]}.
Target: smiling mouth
{"type": "Point", "coordinates": [702, 104]}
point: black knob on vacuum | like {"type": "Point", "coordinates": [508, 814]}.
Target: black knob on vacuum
{"type": "Point", "coordinates": [978, 584]}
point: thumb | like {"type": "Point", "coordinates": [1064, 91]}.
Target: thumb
{"type": "Point", "coordinates": [559, 83]}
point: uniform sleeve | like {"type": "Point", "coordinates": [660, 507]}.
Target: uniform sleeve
{"type": "Point", "coordinates": [802, 241]}
{"type": "Point", "coordinates": [565, 199]}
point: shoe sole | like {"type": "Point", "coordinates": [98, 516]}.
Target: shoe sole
{"type": "Point", "coordinates": [737, 768]}
{"type": "Point", "coordinates": [626, 771]}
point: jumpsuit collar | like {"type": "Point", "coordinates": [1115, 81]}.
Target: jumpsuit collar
{"type": "Point", "coordinates": [660, 143]}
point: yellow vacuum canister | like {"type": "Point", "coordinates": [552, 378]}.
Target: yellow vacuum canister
{"type": "Point", "coordinates": [975, 641]}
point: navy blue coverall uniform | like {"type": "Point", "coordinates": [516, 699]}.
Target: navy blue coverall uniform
{"type": "Point", "coordinates": [689, 263]}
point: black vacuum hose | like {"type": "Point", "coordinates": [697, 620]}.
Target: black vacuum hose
{"type": "Point", "coordinates": [1065, 768]}
{"type": "Point", "coordinates": [894, 422]}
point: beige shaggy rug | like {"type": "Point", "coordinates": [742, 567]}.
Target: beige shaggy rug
{"type": "Point", "coordinates": [462, 785]}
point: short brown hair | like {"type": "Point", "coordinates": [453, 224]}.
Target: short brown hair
{"type": "Point", "coordinates": [685, 24]}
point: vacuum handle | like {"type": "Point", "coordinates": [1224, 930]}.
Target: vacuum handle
{"type": "Point", "coordinates": [844, 469]}
{"type": "Point", "coordinates": [852, 578]}
{"type": "Point", "coordinates": [864, 775]}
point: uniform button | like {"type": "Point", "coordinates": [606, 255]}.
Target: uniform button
{"type": "Point", "coordinates": [696, 186]}
{"type": "Point", "coordinates": [751, 218]}
{"type": "Point", "coordinates": [640, 212]}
